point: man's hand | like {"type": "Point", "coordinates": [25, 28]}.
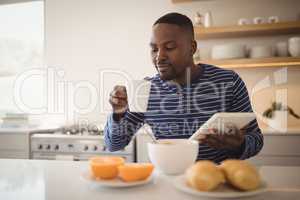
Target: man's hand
{"type": "Point", "coordinates": [118, 101]}
{"type": "Point", "coordinates": [231, 140]}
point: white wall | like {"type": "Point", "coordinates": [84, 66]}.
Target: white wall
{"type": "Point", "coordinates": [86, 36]}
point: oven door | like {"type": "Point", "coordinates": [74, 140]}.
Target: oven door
{"type": "Point", "coordinates": [76, 157]}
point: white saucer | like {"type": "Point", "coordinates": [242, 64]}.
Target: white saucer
{"type": "Point", "coordinates": [224, 191]}
{"type": "Point", "coordinates": [113, 183]}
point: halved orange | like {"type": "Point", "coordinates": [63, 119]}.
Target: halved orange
{"type": "Point", "coordinates": [130, 172]}
{"type": "Point", "coordinates": [105, 167]}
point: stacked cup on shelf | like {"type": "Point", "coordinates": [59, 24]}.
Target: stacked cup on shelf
{"type": "Point", "coordinates": [294, 46]}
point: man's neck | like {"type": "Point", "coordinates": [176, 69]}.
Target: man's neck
{"type": "Point", "coordinates": [191, 73]}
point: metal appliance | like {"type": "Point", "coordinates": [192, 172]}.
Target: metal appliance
{"type": "Point", "coordinates": [75, 143]}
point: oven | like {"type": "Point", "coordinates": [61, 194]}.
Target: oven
{"type": "Point", "coordinates": [77, 146]}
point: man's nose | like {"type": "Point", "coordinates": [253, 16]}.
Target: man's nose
{"type": "Point", "coordinates": [161, 55]}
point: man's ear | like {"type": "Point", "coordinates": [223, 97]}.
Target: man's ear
{"type": "Point", "coordinates": [194, 47]}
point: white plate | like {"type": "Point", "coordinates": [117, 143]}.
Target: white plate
{"type": "Point", "coordinates": [223, 191]}
{"type": "Point", "coordinates": [114, 183]}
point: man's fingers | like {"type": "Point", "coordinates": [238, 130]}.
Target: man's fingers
{"type": "Point", "coordinates": [213, 142]}
{"type": "Point", "coordinates": [118, 94]}
{"type": "Point", "coordinates": [120, 87]}
{"type": "Point", "coordinates": [118, 108]}
{"type": "Point", "coordinates": [118, 101]}
{"type": "Point", "coordinates": [119, 91]}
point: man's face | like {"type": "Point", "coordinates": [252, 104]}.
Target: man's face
{"type": "Point", "coordinates": [171, 51]}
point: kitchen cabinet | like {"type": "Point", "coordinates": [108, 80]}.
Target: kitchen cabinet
{"type": "Point", "coordinates": [14, 144]}
{"type": "Point", "coordinates": [279, 149]}
{"type": "Point", "coordinates": [142, 139]}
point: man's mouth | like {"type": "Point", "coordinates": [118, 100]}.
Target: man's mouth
{"type": "Point", "coordinates": [163, 67]}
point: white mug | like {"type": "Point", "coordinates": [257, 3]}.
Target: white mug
{"type": "Point", "coordinates": [258, 20]}
{"type": "Point", "coordinates": [282, 49]}
{"type": "Point", "coordinates": [138, 92]}
{"type": "Point", "coordinates": [273, 19]}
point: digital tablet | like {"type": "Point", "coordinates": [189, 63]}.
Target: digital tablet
{"type": "Point", "coordinates": [219, 121]}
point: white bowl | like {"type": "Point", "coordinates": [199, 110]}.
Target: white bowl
{"type": "Point", "coordinates": [173, 158]}
{"type": "Point", "coordinates": [261, 52]}
{"type": "Point", "coordinates": [294, 46]}
{"type": "Point", "coordinates": [282, 49]}
{"type": "Point", "coordinates": [228, 51]}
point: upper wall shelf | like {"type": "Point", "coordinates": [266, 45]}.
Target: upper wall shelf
{"type": "Point", "coordinates": [255, 63]}
{"type": "Point", "coordinates": [247, 30]}
{"type": "Point", "coordinates": [183, 1]}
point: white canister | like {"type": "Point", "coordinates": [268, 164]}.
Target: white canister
{"type": "Point", "coordinates": [258, 20]}
{"type": "Point", "coordinates": [198, 19]}
{"type": "Point", "coordinates": [294, 46]}
{"type": "Point", "coordinates": [273, 19]}
{"type": "Point", "coordinates": [208, 19]}
{"type": "Point", "coordinates": [282, 49]}
{"type": "Point", "coordinates": [243, 21]}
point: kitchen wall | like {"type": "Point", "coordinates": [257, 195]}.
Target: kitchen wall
{"type": "Point", "coordinates": [85, 39]}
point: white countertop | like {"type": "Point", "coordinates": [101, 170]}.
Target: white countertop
{"type": "Point", "coordinates": [28, 129]}
{"type": "Point", "coordinates": [55, 180]}
{"type": "Point", "coordinates": [289, 131]}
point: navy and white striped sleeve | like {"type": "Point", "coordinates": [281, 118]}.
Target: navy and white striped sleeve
{"type": "Point", "coordinates": [117, 135]}
{"type": "Point", "coordinates": [241, 103]}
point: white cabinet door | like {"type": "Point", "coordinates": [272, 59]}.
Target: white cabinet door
{"type": "Point", "coordinates": [14, 145]}
{"type": "Point", "coordinates": [141, 147]}
{"type": "Point", "coordinates": [279, 149]}
{"type": "Point", "coordinates": [276, 160]}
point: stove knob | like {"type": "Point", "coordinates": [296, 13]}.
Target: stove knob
{"type": "Point", "coordinates": [48, 147]}
{"type": "Point", "coordinates": [56, 147]}
{"type": "Point", "coordinates": [95, 148]}
{"type": "Point", "coordinates": [40, 146]}
{"type": "Point", "coordinates": [86, 147]}
{"type": "Point", "coordinates": [104, 148]}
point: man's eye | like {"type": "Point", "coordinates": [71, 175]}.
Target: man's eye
{"type": "Point", "coordinates": [170, 48]}
{"type": "Point", "coordinates": [154, 50]}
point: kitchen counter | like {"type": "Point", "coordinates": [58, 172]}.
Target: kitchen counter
{"type": "Point", "coordinates": [293, 130]}
{"type": "Point", "coordinates": [52, 180]}
{"type": "Point", "coordinates": [15, 141]}
{"type": "Point", "coordinates": [28, 129]}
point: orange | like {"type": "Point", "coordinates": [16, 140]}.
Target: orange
{"type": "Point", "coordinates": [105, 167]}
{"type": "Point", "coordinates": [130, 172]}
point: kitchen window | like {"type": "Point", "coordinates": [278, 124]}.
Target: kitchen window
{"type": "Point", "coordinates": [21, 49]}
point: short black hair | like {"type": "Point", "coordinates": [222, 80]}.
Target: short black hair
{"type": "Point", "coordinates": [178, 19]}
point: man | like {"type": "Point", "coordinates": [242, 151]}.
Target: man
{"type": "Point", "coordinates": [183, 96]}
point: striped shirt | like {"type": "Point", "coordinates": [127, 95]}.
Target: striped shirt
{"type": "Point", "coordinates": [176, 111]}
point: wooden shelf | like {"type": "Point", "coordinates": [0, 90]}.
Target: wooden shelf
{"type": "Point", "coordinates": [255, 63]}
{"type": "Point", "coordinates": [181, 1]}
{"type": "Point", "coordinates": [186, 1]}
{"type": "Point", "coordinates": [247, 30]}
